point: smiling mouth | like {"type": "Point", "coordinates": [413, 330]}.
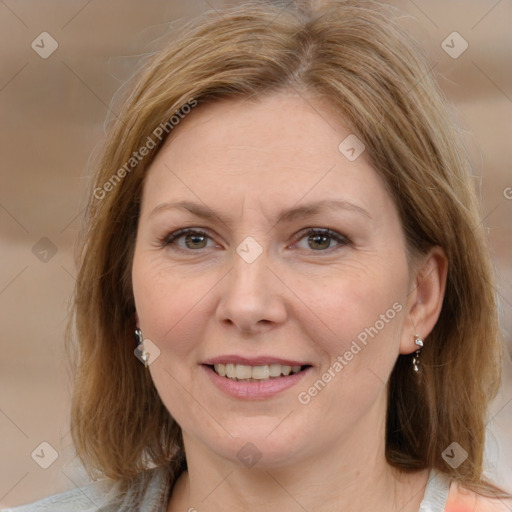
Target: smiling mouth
{"type": "Point", "coordinates": [246, 373]}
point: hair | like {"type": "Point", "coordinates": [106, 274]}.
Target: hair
{"type": "Point", "coordinates": [354, 55]}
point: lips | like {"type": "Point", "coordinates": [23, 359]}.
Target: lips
{"type": "Point", "coordinates": [260, 368]}
{"type": "Point", "coordinates": [253, 361]}
{"type": "Point", "coordinates": [253, 378]}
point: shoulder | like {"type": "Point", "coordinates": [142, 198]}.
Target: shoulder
{"type": "Point", "coordinates": [461, 499]}
{"type": "Point", "coordinates": [84, 499]}
{"type": "Point", "coordinates": [147, 491]}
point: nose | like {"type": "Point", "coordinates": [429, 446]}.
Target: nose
{"type": "Point", "coordinates": [252, 298]}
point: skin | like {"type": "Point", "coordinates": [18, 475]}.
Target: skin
{"type": "Point", "coordinates": [300, 299]}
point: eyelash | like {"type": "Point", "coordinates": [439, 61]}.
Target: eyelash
{"type": "Point", "coordinates": [337, 237]}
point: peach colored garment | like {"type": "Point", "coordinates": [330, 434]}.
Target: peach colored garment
{"type": "Point", "coordinates": [462, 500]}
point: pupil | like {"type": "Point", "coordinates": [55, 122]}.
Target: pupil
{"type": "Point", "coordinates": [321, 241]}
{"type": "Point", "coordinates": [192, 241]}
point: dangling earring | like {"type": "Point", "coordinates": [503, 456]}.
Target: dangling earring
{"type": "Point", "coordinates": [416, 359]}
{"type": "Point", "coordinates": [139, 340]}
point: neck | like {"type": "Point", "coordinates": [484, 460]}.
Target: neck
{"type": "Point", "coordinates": [370, 487]}
{"type": "Point", "coordinates": [352, 476]}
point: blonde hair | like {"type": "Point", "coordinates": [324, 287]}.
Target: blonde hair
{"type": "Point", "coordinates": [352, 54]}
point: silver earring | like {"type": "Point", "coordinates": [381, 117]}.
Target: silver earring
{"type": "Point", "coordinates": [139, 338]}
{"type": "Point", "coordinates": [416, 359]}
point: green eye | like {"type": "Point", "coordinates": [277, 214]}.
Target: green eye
{"type": "Point", "coordinates": [188, 239]}
{"type": "Point", "coordinates": [319, 242]}
{"type": "Point", "coordinates": [322, 239]}
{"type": "Point", "coordinates": [315, 239]}
{"type": "Point", "coordinates": [195, 241]}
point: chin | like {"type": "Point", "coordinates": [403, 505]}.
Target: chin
{"type": "Point", "coordinates": [261, 447]}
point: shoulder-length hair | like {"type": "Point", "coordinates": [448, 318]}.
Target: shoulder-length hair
{"type": "Point", "coordinates": [355, 56]}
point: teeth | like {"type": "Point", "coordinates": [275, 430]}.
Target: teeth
{"type": "Point", "coordinates": [260, 372]}
{"type": "Point", "coordinates": [230, 371]}
{"type": "Point", "coordinates": [285, 370]}
{"type": "Point", "coordinates": [275, 370]}
{"type": "Point", "coordinates": [245, 372]}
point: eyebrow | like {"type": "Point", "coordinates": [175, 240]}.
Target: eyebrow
{"type": "Point", "coordinates": [289, 215]}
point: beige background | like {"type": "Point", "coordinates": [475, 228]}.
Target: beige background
{"type": "Point", "coordinates": [52, 113]}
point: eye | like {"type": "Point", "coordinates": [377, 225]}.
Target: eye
{"type": "Point", "coordinates": [321, 239]}
{"type": "Point", "coordinates": [188, 239]}
{"type": "Point", "coordinates": [316, 239]}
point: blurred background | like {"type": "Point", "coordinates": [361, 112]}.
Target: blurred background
{"type": "Point", "coordinates": [61, 62]}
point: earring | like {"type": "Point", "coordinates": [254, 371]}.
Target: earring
{"type": "Point", "coordinates": [416, 359]}
{"type": "Point", "coordinates": [139, 340]}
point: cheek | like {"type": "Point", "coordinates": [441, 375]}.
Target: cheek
{"type": "Point", "coordinates": [360, 302]}
{"type": "Point", "coordinates": [356, 323]}
{"type": "Point", "coordinates": [170, 305]}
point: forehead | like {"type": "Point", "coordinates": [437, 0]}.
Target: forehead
{"type": "Point", "coordinates": [278, 148]}
{"type": "Point", "coordinates": [282, 125]}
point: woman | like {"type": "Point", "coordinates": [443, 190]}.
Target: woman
{"type": "Point", "coordinates": [284, 219]}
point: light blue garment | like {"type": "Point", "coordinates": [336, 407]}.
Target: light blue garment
{"type": "Point", "coordinates": [151, 492]}
{"type": "Point", "coordinates": [436, 493]}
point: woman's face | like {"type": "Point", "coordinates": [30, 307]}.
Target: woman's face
{"type": "Point", "coordinates": [262, 246]}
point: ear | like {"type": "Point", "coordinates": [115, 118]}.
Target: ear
{"type": "Point", "coordinates": [425, 299]}
{"type": "Point", "coordinates": [137, 323]}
